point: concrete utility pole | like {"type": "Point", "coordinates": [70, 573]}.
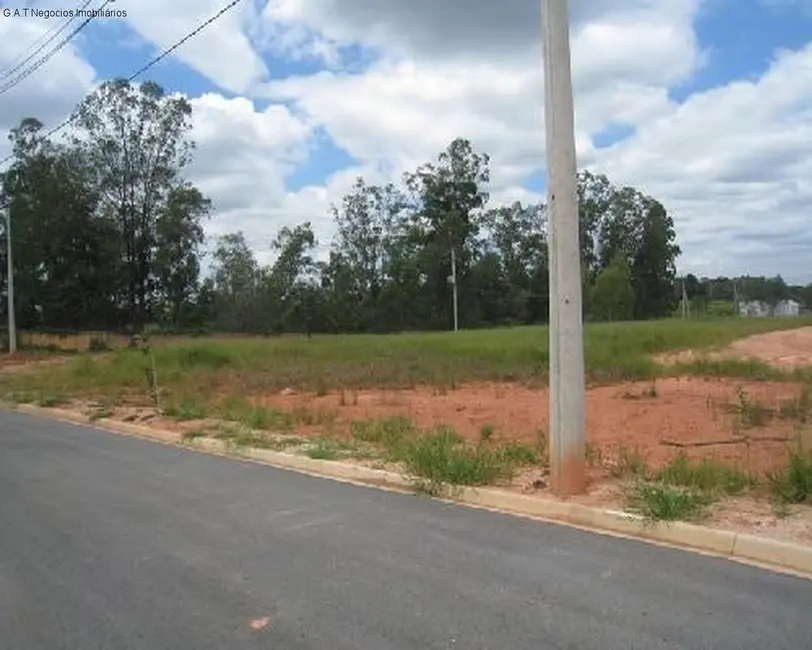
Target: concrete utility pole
{"type": "Point", "coordinates": [567, 386]}
{"type": "Point", "coordinates": [453, 280]}
{"type": "Point", "coordinates": [12, 325]}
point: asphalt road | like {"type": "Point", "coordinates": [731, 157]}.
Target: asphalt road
{"type": "Point", "coordinates": [115, 543]}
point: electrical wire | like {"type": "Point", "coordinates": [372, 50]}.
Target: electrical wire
{"type": "Point", "coordinates": [146, 67]}
{"type": "Point", "coordinates": [43, 60]}
{"type": "Point", "coordinates": [7, 71]}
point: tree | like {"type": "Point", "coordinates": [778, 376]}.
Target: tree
{"type": "Point", "coordinates": [107, 232]}
{"type": "Point", "coordinates": [236, 283]}
{"type": "Point", "coordinates": [653, 269]}
{"type": "Point", "coordinates": [366, 222]}
{"type": "Point", "coordinates": [66, 254]}
{"type": "Point", "coordinates": [806, 296]}
{"type": "Point", "coordinates": [136, 138]}
{"type": "Point", "coordinates": [291, 281]}
{"type": "Point", "coordinates": [612, 296]}
{"type": "Point", "coordinates": [448, 198]}
{"type": "Point", "coordinates": [178, 238]}
{"type": "Point", "coordinates": [517, 235]}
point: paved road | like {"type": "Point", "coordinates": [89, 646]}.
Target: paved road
{"type": "Point", "coordinates": [116, 543]}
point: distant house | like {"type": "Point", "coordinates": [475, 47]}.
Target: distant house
{"type": "Point", "coordinates": [787, 308]}
{"type": "Point", "coordinates": [761, 309]}
{"type": "Point", "coordinates": [754, 309]}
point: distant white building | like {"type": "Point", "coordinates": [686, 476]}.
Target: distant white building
{"type": "Point", "coordinates": [787, 308]}
{"type": "Point", "coordinates": [754, 309]}
{"type": "Point", "coordinates": [760, 309]}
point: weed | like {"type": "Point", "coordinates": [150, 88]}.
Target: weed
{"type": "Point", "coordinates": [661, 502]}
{"type": "Point", "coordinates": [188, 408]}
{"type": "Point", "coordinates": [543, 445]}
{"type": "Point", "coordinates": [630, 463]}
{"type": "Point", "coordinates": [253, 416]}
{"type": "Point", "coordinates": [706, 475]}
{"type": "Point", "coordinates": [486, 432]}
{"type": "Point", "coordinates": [307, 417]}
{"type": "Point", "coordinates": [594, 455]}
{"type": "Point", "coordinates": [793, 483]}
{"type": "Point", "coordinates": [322, 387]}
{"type": "Point", "coordinates": [388, 432]}
{"type": "Point", "coordinates": [751, 414]}
{"type": "Point", "coordinates": [441, 458]}
{"type": "Point", "coordinates": [518, 455]}
{"type": "Point", "coordinates": [797, 409]}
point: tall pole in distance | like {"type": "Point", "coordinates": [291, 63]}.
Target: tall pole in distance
{"type": "Point", "coordinates": [454, 289]}
{"type": "Point", "coordinates": [12, 325]}
{"type": "Point", "coordinates": [567, 384]}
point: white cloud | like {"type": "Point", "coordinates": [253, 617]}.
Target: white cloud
{"type": "Point", "coordinates": [48, 94]}
{"type": "Point", "coordinates": [243, 156]}
{"type": "Point", "coordinates": [732, 163]}
{"type": "Point", "coordinates": [222, 51]}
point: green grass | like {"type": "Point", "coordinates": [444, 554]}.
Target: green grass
{"type": "Point", "coordinates": [440, 458]}
{"type": "Point", "coordinates": [185, 409]}
{"type": "Point", "coordinates": [792, 485]}
{"type": "Point", "coordinates": [707, 475]}
{"type": "Point", "coordinates": [683, 489]}
{"type": "Point", "coordinates": [245, 366]}
{"type": "Point", "coordinates": [661, 502]}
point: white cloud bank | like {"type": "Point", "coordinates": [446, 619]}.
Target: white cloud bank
{"type": "Point", "coordinates": [733, 164]}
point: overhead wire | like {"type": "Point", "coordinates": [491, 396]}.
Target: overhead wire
{"type": "Point", "coordinates": [8, 70]}
{"type": "Point", "coordinates": [144, 68]}
{"type": "Point", "coordinates": [22, 76]}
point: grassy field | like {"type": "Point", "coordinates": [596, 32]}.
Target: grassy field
{"type": "Point", "coordinates": [226, 377]}
{"type": "Point", "coordinates": [614, 352]}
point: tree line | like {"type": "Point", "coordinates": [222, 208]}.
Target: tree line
{"type": "Point", "coordinates": [107, 233]}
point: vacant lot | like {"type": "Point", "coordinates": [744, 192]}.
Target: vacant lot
{"type": "Point", "coordinates": [722, 396]}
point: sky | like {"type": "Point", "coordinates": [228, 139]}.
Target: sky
{"type": "Point", "coordinates": [706, 105]}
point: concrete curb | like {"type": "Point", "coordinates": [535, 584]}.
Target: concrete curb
{"type": "Point", "coordinates": [751, 548]}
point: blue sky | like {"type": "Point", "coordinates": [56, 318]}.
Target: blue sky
{"type": "Point", "coordinates": [739, 39]}
{"type": "Point", "coordinates": [724, 157]}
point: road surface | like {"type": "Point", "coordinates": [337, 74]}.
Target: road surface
{"type": "Point", "coordinates": [108, 542]}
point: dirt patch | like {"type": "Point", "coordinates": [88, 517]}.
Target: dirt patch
{"type": "Point", "coordinates": [752, 424]}
{"type": "Point", "coordinates": [786, 349]}
{"type": "Point", "coordinates": [735, 421]}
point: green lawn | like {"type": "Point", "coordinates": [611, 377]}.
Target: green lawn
{"type": "Point", "coordinates": [614, 352]}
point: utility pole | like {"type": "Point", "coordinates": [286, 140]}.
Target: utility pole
{"type": "Point", "coordinates": [567, 384]}
{"type": "Point", "coordinates": [684, 301]}
{"type": "Point", "coordinates": [453, 280]}
{"type": "Point", "coordinates": [12, 326]}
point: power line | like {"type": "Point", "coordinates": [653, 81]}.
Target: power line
{"type": "Point", "coordinates": [43, 60]}
{"type": "Point", "coordinates": [133, 76]}
{"type": "Point", "coordinates": [8, 70]}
